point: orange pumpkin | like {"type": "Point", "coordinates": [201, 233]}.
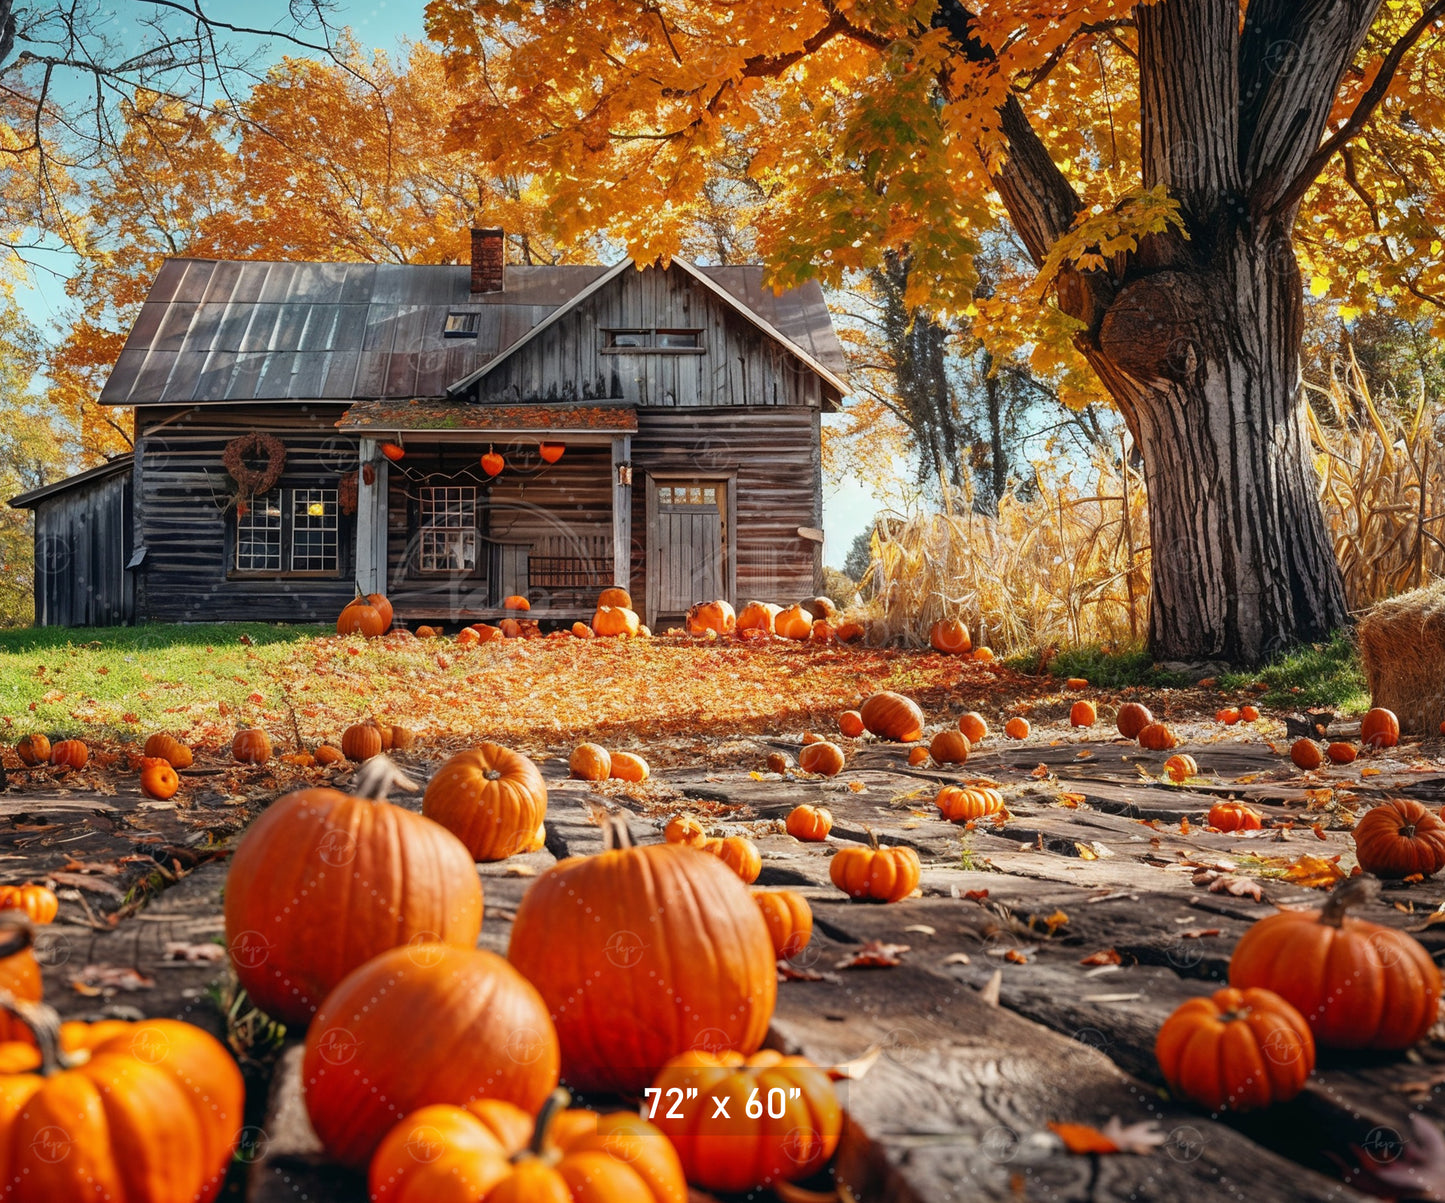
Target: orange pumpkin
{"type": "Point", "coordinates": [590, 762]}
{"type": "Point", "coordinates": [33, 749]}
{"type": "Point", "coordinates": [1306, 754]}
{"type": "Point", "coordinates": [615, 596]}
{"type": "Point", "coordinates": [1358, 984]}
{"type": "Point", "coordinates": [1076, 683]}
{"type": "Point", "coordinates": [490, 798]}
{"type": "Point", "coordinates": [918, 755]}
{"type": "Point", "coordinates": [1400, 838]}
{"type": "Point", "coordinates": [1236, 1050]}
{"type": "Point", "coordinates": [383, 607]}
{"type": "Point", "coordinates": [146, 1112]}
{"type": "Point", "coordinates": [1157, 737]}
{"type": "Point", "coordinates": [874, 873]}
{"type": "Point", "coordinates": [716, 616]}
{"type": "Point", "coordinates": [510, 628]}
{"type": "Point", "coordinates": [779, 762]}
{"type": "Point", "coordinates": [1017, 728]}
{"type": "Point", "coordinates": [739, 853]}
{"type": "Point", "coordinates": [810, 738]}
{"type": "Point", "coordinates": [72, 753]}
{"type": "Point", "coordinates": [850, 724]}
{"type": "Point", "coordinates": [1228, 716]}
{"type": "Point", "coordinates": [251, 745]}
{"type": "Point", "coordinates": [1233, 816]}
{"type": "Point", "coordinates": [582, 631]}
{"type": "Point", "coordinates": [38, 902]}
{"type": "Point", "coordinates": [1248, 714]}
{"type": "Point", "coordinates": [950, 636]}
{"type": "Point", "coordinates": [892, 716]}
{"type": "Point", "coordinates": [615, 620]}
{"type": "Point", "coordinates": [1340, 753]}
{"type": "Point", "coordinates": [822, 757]}
{"type": "Point", "coordinates": [793, 623]}
{"type": "Point", "coordinates": [685, 829]}
{"type": "Point", "coordinates": [758, 616]}
{"type": "Point", "coordinates": [402, 738]}
{"type": "Point", "coordinates": [1132, 719]}
{"type": "Point", "coordinates": [983, 654]}
{"type": "Point", "coordinates": [327, 754]}
{"type": "Point", "coordinates": [639, 951]}
{"type": "Point", "coordinates": [392, 451]}
{"type": "Point", "coordinates": [973, 727]}
{"type": "Point", "coordinates": [849, 632]}
{"type": "Point", "coordinates": [770, 1135]}
{"type": "Point", "coordinates": [628, 766]}
{"type": "Point", "coordinates": [1180, 767]}
{"type": "Point", "coordinates": [360, 617]}
{"type": "Point", "coordinates": [949, 746]}
{"type": "Point", "coordinates": [170, 749]}
{"type": "Point", "coordinates": [492, 462]}
{"type": "Point", "coordinates": [157, 778]}
{"type": "Point", "coordinates": [516, 602]}
{"type": "Point", "coordinates": [1380, 729]}
{"type": "Point", "coordinates": [789, 919]}
{"type": "Point", "coordinates": [426, 632]}
{"type": "Point", "coordinates": [489, 1152]}
{"type": "Point", "coordinates": [1083, 714]}
{"type": "Point", "coordinates": [424, 1024]}
{"type": "Point", "coordinates": [361, 741]}
{"type": "Point", "coordinates": [964, 803]}
{"type": "Point", "coordinates": [295, 923]}
{"type": "Point", "coordinates": [19, 970]}
{"type": "Point", "coordinates": [810, 823]}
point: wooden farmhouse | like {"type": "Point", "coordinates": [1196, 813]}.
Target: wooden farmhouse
{"type": "Point", "coordinates": [450, 436]}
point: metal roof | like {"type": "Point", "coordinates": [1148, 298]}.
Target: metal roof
{"type": "Point", "coordinates": [113, 467]}
{"type": "Point", "coordinates": [229, 331]}
{"type": "Point", "coordinates": [418, 415]}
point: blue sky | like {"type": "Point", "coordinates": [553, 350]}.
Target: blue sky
{"type": "Point", "coordinates": [848, 506]}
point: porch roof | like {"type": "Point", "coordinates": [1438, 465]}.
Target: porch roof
{"type": "Point", "coordinates": [421, 416]}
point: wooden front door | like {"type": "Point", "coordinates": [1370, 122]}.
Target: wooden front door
{"type": "Point", "coordinates": [689, 561]}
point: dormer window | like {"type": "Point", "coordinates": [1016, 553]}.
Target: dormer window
{"type": "Point", "coordinates": [633, 341]}
{"type": "Point", "coordinates": [462, 323]}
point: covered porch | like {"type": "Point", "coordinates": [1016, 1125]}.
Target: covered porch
{"type": "Point", "coordinates": [448, 540]}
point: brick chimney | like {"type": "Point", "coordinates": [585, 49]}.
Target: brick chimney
{"type": "Point", "coordinates": [488, 255]}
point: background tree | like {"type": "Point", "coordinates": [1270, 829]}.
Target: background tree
{"type": "Point", "coordinates": [1161, 213]}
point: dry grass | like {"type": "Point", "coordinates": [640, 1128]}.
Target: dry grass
{"type": "Point", "coordinates": [1402, 645]}
{"type": "Point", "coordinates": [1067, 565]}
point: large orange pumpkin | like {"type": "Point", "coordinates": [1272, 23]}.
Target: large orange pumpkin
{"type": "Point", "coordinates": [1380, 729]}
{"type": "Point", "coordinates": [1017, 727]}
{"type": "Point", "coordinates": [1236, 1050]}
{"type": "Point", "coordinates": [950, 636]}
{"type": "Point", "coordinates": [145, 1112]}
{"type": "Point", "coordinates": [490, 798]}
{"type": "Point", "coordinates": [379, 602]}
{"type": "Point", "coordinates": [251, 745]}
{"type": "Point", "coordinates": [490, 1151]}
{"type": "Point", "coordinates": [322, 881]}
{"type": "Point", "coordinates": [33, 749]}
{"type": "Point", "coordinates": [758, 616]}
{"type": "Point", "coordinates": [716, 616]}
{"type": "Point", "coordinates": [793, 623]}
{"type": "Point", "coordinates": [1400, 838]}
{"type": "Point", "coordinates": [1306, 754]}
{"type": "Point", "coordinates": [809, 823]}
{"type": "Point", "coordinates": [590, 762]}
{"type": "Point", "coordinates": [1083, 714]}
{"type": "Point", "coordinates": [70, 753]}
{"type": "Point", "coordinates": [628, 766]}
{"type": "Point", "coordinates": [1157, 737]}
{"type": "Point", "coordinates": [1358, 984]}
{"type": "Point", "coordinates": [170, 749]}
{"type": "Point", "coordinates": [643, 953]}
{"type": "Point", "coordinates": [360, 617]}
{"type": "Point", "coordinates": [615, 620]}
{"type": "Point", "coordinates": [769, 1135]}
{"type": "Point", "coordinates": [949, 746]}
{"type": "Point", "coordinates": [892, 716]}
{"type": "Point", "coordinates": [1132, 718]}
{"type": "Point", "coordinates": [789, 919]}
{"type": "Point", "coordinates": [821, 757]}
{"type": "Point", "coordinates": [428, 1023]}
{"type": "Point", "coordinates": [973, 727]}
{"type": "Point", "coordinates": [361, 741]}
{"type": "Point", "coordinates": [1233, 816]}
{"type": "Point", "coordinates": [874, 873]}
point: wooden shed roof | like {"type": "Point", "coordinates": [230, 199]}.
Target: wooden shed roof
{"type": "Point", "coordinates": [113, 467]}
{"type": "Point", "coordinates": [419, 415]}
{"type": "Point", "coordinates": [214, 331]}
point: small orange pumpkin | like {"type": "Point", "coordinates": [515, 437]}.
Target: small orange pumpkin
{"type": "Point", "coordinates": [875, 873]}
{"type": "Point", "coordinates": [1380, 729]}
{"type": "Point", "coordinates": [1228, 716]}
{"type": "Point", "coordinates": [983, 654]}
{"type": "Point", "coordinates": [892, 716]}
{"type": "Point", "coordinates": [516, 602]}
{"type": "Point", "coordinates": [37, 901]}
{"type": "Point", "coordinates": [779, 762]}
{"type": "Point", "coordinates": [974, 729]}
{"type": "Point", "coordinates": [850, 723]}
{"type": "Point", "coordinates": [590, 762]}
{"type": "Point", "coordinates": [1132, 718]}
{"type": "Point", "coordinates": [793, 623]}
{"type": "Point", "coordinates": [33, 749]}
{"type": "Point", "coordinates": [739, 854]}
{"type": "Point", "coordinates": [491, 798]}
{"type": "Point", "coordinates": [758, 616]}
{"type": "Point", "coordinates": [582, 631]}
{"type": "Point", "coordinates": [1017, 728]}
{"type": "Point", "coordinates": [1400, 838]}
{"type": "Point", "coordinates": [328, 754]}
{"type": "Point", "coordinates": [716, 616]}
{"type": "Point", "coordinates": [949, 746]}
{"type": "Point", "coordinates": [169, 749]}
{"type": "Point", "coordinates": [157, 778]}
{"type": "Point", "coordinates": [1157, 737]}
{"type": "Point", "coordinates": [1076, 683]}
{"type": "Point", "coordinates": [918, 755]}
{"type": "Point", "coordinates": [822, 757]}
{"type": "Point", "coordinates": [361, 741]}
{"type": "Point", "coordinates": [1340, 753]}
{"type": "Point", "coordinates": [1306, 754]}
{"type": "Point", "coordinates": [1083, 714]}
{"type": "Point", "coordinates": [685, 829]}
{"type": "Point", "coordinates": [1248, 714]}
{"type": "Point", "coordinates": [611, 621]}
{"type": "Point", "coordinates": [811, 823]}
{"type": "Point", "coordinates": [510, 628]}
{"type": "Point", "coordinates": [1180, 767]}
{"type": "Point", "coordinates": [628, 766]}
{"type": "Point", "coordinates": [251, 745]}
{"type": "Point", "coordinates": [615, 596]}
{"type": "Point", "coordinates": [789, 919]}
{"type": "Point", "coordinates": [1233, 816]}
{"type": "Point", "coordinates": [72, 753]}
{"type": "Point", "coordinates": [950, 636]}
{"type": "Point", "coordinates": [964, 803]}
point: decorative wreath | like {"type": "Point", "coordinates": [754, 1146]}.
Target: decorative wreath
{"type": "Point", "coordinates": [253, 482]}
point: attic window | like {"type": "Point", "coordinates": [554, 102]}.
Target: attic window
{"type": "Point", "coordinates": [462, 324]}
{"type": "Point", "coordinates": [631, 341]}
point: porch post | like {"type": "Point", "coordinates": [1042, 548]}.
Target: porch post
{"type": "Point", "coordinates": [371, 521]}
{"type": "Point", "coordinates": [622, 511]}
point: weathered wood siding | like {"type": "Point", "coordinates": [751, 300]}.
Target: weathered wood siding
{"type": "Point", "coordinates": [190, 537]}
{"type": "Point", "coordinates": [774, 456]}
{"type": "Point", "coordinates": [82, 545]}
{"type": "Point", "coordinates": [737, 364]}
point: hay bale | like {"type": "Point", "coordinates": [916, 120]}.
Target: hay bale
{"type": "Point", "coordinates": [1402, 644]}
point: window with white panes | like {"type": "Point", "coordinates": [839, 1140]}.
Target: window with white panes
{"type": "Point", "coordinates": [289, 531]}
{"type": "Point", "coordinates": [258, 534]}
{"type": "Point", "coordinates": [448, 529]}
{"type": "Point", "coordinates": [687, 494]}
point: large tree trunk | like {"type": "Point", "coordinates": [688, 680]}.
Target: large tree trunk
{"type": "Point", "coordinates": [1205, 368]}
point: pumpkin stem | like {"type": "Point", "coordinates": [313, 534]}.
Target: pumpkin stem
{"type": "Point", "coordinates": [557, 1102]}
{"type": "Point", "coordinates": [1407, 832]}
{"type": "Point", "coordinates": [377, 777]}
{"type": "Point", "coordinates": [615, 834]}
{"type": "Point", "coordinates": [1353, 891]}
{"type": "Point", "coordinates": [872, 837]}
{"type": "Point", "coordinates": [44, 1024]}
